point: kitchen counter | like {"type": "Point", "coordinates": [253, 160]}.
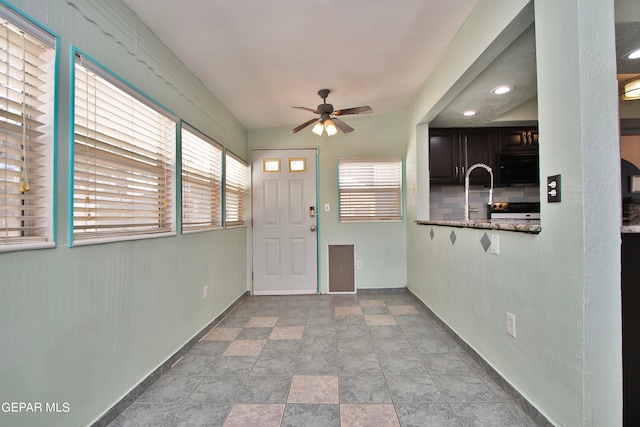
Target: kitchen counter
{"type": "Point", "coordinates": [630, 229]}
{"type": "Point", "coordinates": [519, 225]}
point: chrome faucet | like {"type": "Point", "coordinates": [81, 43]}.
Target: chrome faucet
{"type": "Point", "coordinates": [466, 187]}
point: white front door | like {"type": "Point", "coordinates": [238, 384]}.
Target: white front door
{"type": "Point", "coordinates": [284, 222]}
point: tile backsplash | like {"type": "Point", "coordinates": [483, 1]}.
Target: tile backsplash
{"type": "Point", "coordinates": [447, 201]}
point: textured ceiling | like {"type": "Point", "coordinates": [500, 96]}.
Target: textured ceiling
{"type": "Point", "coordinates": [261, 58]}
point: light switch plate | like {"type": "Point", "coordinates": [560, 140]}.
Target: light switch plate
{"type": "Point", "coordinates": [327, 207]}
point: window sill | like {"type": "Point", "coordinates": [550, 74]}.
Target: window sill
{"type": "Point", "coordinates": [97, 241]}
{"type": "Point", "coordinates": [26, 246]}
{"type": "Point", "coordinates": [200, 230]}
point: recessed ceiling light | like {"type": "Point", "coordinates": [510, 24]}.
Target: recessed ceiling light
{"type": "Point", "coordinates": [501, 90]}
{"type": "Point", "coordinates": [634, 54]}
{"type": "Point", "coordinates": [469, 113]}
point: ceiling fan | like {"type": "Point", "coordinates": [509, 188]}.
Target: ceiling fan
{"type": "Point", "coordinates": [328, 121]}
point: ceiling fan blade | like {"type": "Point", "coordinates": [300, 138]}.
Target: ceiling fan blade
{"type": "Point", "coordinates": [342, 125]}
{"type": "Point", "coordinates": [355, 110]}
{"type": "Point", "coordinates": [302, 126]}
{"type": "Point", "coordinates": [307, 109]}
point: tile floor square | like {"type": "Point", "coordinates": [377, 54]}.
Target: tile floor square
{"type": "Point", "coordinates": [252, 415]}
{"type": "Point", "coordinates": [232, 365]}
{"type": "Point", "coordinates": [371, 302]}
{"type": "Point", "coordinates": [265, 389]}
{"type": "Point", "coordinates": [209, 348]}
{"type": "Point", "coordinates": [379, 319]}
{"type": "Point", "coordinates": [375, 309]}
{"type": "Point", "coordinates": [150, 414]}
{"type": "Point", "coordinates": [314, 389]}
{"type": "Point", "coordinates": [364, 389]}
{"type": "Point", "coordinates": [463, 388]}
{"type": "Point", "coordinates": [348, 310]}
{"type": "Point", "coordinates": [311, 415]}
{"type": "Point", "coordinates": [261, 322]}
{"type": "Point", "coordinates": [170, 388]}
{"type": "Point", "coordinates": [414, 389]}
{"type": "Point", "coordinates": [223, 389]}
{"type": "Point", "coordinates": [222, 334]}
{"type": "Point", "coordinates": [402, 309]}
{"type": "Point", "coordinates": [367, 415]}
{"type": "Point", "coordinates": [287, 333]}
{"type": "Point", "coordinates": [254, 334]}
{"type": "Point", "coordinates": [245, 348]}
{"type": "Point", "coordinates": [430, 414]}
{"type": "Point", "coordinates": [201, 414]}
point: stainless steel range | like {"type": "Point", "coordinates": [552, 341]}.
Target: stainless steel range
{"type": "Point", "coordinates": [515, 210]}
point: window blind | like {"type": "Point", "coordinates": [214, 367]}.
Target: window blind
{"type": "Point", "coordinates": [370, 189]}
{"type": "Point", "coordinates": [235, 191]}
{"type": "Point", "coordinates": [27, 92]}
{"type": "Point", "coordinates": [124, 153]}
{"type": "Point", "coordinates": [201, 181]}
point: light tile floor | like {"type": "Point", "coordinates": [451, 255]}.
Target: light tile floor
{"type": "Point", "coordinates": [325, 360]}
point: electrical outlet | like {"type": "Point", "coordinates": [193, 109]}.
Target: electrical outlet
{"type": "Point", "coordinates": [205, 292]}
{"type": "Point", "coordinates": [511, 324]}
{"type": "Point", "coordinates": [359, 264]}
{"type": "Point", "coordinates": [495, 244]}
{"type": "Point", "coordinates": [553, 189]}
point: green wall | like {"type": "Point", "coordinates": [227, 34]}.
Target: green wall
{"type": "Point", "coordinates": [562, 285]}
{"type": "Point", "coordinates": [381, 246]}
{"type": "Point", "coordinates": [85, 325]}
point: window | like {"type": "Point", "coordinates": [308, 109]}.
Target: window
{"type": "Point", "coordinates": [270, 165]}
{"type": "Point", "coordinates": [370, 189]}
{"type": "Point", "coordinates": [123, 160]}
{"type": "Point", "coordinates": [298, 165]}
{"type": "Point", "coordinates": [201, 181]}
{"type": "Point", "coordinates": [235, 191]}
{"type": "Point", "coordinates": [27, 92]}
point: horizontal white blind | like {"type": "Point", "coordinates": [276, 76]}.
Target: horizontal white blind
{"type": "Point", "coordinates": [201, 181]}
{"type": "Point", "coordinates": [124, 154]}
{"type": "Point", "coordinates": [26, 132]}
{"type": "Point", "coordinates": [235, 191]}
{"type": "Point", "coordinates": [370, 189]}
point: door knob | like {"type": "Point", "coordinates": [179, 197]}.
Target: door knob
{"type": "Point", "coordinates": [313, 228]}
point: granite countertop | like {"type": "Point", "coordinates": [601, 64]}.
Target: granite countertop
{"type": "Point", "coordinates": [630, 228]}
{"type": "Point", "coordinates": [523, 226]}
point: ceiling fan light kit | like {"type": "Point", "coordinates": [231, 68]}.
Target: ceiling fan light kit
{"type": "Point", "coordinates": [328, 122]}
{"type": "Point", "coordinates": [318, 128]}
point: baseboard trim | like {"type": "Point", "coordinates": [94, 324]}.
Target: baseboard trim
{"type": "Point", "coordinates": [382, 291]}
{"type": "Point", "coordinates": [519, 400]}
{"type": "Point", "coordinates": [137, 391]}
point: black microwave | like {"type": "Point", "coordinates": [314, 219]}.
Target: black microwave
{"type": "Point", "coordinates": [517, 169]}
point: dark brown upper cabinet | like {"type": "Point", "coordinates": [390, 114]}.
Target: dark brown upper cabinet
{"type": "Point", "coordinates": [519, 139]}
{"type": "Point", "coordinates": [452, 151]}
